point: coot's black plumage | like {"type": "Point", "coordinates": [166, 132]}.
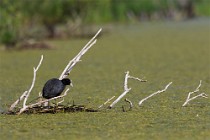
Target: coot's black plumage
{"type": "Point", "coordinates": [54, 87]}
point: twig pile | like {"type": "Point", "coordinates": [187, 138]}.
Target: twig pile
{"type": "Point", "coordinates": [40, 106]}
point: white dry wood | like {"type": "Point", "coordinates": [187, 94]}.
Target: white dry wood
{"type": "Point", "coordinates": [33, 82]}
{"type": "Point", "coordinates": [195, 91]}
{"type": "Point", "coordinates": [64, 74]}
{"type": "Point", "coordinates": [160, 91]}
{"type": "Point", "coordinates": [32, 85]}
{"type": "Point", "coordinates": [26, 94]}
{"type": "Point", "coordinates": [136, 78]}
{"type": "Point", "coordinates": [106, 102]}
{"type": "Point", "coordinates": [119, 98]}
{"type": "Point", "coordinates": [42, 102]}
{"type": "Point", "coordinates": [76, 59]}
{"type": "Point", "coordinates": [18, 101]}
{"type": "Point", "coordinates": [126, 89]}
{"type": "Point", "coordinates": [126, 81]}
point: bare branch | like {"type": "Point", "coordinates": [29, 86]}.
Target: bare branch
{"type": "Point", "coordinates": [126, 81]}
{"type": "Point", "coordinates": [65, 93]}
{"type": "Point", "coordinates": [126, 89]}
{"type": "Point", "coordinates": [160, 91]}
{"type": "Point", "coordinates": [18, 101]}
{"type": "Point", "coordinates": [106, 102]}
{"type": "Point", "coordinates": [135, 78]}
{"type": "Point", "coordinates": [119, 98]}
{"type": "Point", "coordinates": [33, 82]}
{"type": "Point", "coordinates": [128, 101]}
{"type": "Point", "coordinates": [76, 59]}
{"type": "Point", "coordinates": [127, 76]}
{"type": "Point", "coordinates": [60, 101]}
{"type": "Point", "coordinates": [26, 94]}
{"type": "Point", "coordinates": [42, 102]}
{"type": "Point", "coordinates": [64, 74]}
{"type": "Point", "coordinates": [195, 91]}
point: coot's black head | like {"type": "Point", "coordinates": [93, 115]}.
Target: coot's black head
{"type": "Point", "coordinates": [66, 81]}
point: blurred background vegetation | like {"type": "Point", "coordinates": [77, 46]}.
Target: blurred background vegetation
{"type": "Point", "coordinates": [23, 20]}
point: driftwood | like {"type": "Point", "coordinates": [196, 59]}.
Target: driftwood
{"type": "Point", "coordinates": [126, 89]}
{"type": "Point", "coordinates": [155, 93]}
{"type": "Point", "coordinates": [40, 107]}
{"type": "Point", "coordinates": [14, 109]}
{"type": "Point", "coordinates": [195, 91]}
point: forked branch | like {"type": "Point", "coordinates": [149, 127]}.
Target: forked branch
{"type": "Point", "coordinates": [33, 82]}
{"type": "Point", "coordinates": [26, 94]}
{"type": "Point", "coordinates": [195, 91]}
{"type": "Point", "coordinates": [64, 74]}
{"type": "Point", "coordinates": [126, 89]}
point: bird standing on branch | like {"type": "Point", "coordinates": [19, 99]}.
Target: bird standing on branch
{"type": "Point", "coordinates": [54, 87]}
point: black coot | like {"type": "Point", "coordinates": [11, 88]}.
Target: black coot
{"type": "Point", "coordinates": [54, 87]}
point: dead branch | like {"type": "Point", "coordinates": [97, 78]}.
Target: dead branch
{"type": "Point", "coordinates": [195, 91]}
{"type": "Point", "coordinates": [26, 94]}
{"type": "Point", "coordinates": [160, 91]}
{"type": "Point", "coordinates": [18, 101]}
{"type": "Point", "coordinates": [128, 101]}
{"type": "Point", "coordinates": [42, 102]}
{"type": "Point", "coordinates": [64, 74]}
{"type": "Point", "coordinates": [47, 100]}
{"type": "Point", "coordinates": [106, 102]}
{"type": "Point", "coordinates": [135, 78]}
{"type": "Point", "coordinates": [33, 82]}
{"type": "Point", "coordinates": [126, 81]}
{"type": "Point", "coordinates": [126, 89]}
{"type": "Point", "coordinates": [119, 98]}
{"type": "Point", "coordinates": [76, 59]}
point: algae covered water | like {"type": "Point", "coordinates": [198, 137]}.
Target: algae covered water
{"type": "Point", "coordinates": [160, 52]}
